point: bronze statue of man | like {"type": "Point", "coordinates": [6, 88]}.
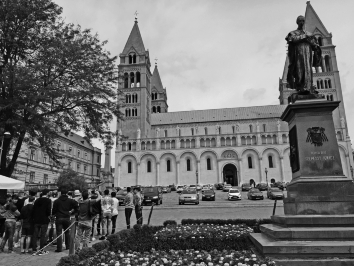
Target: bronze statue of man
{"type": "Point", "coordinates": [304, 53]}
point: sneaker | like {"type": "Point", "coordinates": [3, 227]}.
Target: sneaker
{"type": "Point", "coordinates": [93, 239]}
{"type": "Point", "coordinates": [102, 238]}
{"type": "Point", "coordinates": [17, 245]}
{"type": "Point", "coordinates": [41, 253]}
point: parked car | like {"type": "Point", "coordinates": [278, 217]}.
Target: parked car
{"type": "Point", "coordinates": [234, 194]}
{"type": "Point", "coordinates": [274, 193]}
{"type": "Point", "coordinates": [166, 190]}
{"type": "Point", "coordinates": [179, 189]}
{"type": "Point", "coordinates": [205, 187]}
{"type": "Point", "coordinates": [255, 193]}
{"type": "Point", "coordinates": [173, 187]}
{"type": "Point", "coordinates": [121, 196]}
{"type": "Point", "coordinates": [246, 187]}
{"type": "Point", "coordinates": [208, 194]}
{"type": "Point", "coordinates": [226, 187]}
{"type": "Point", "coordinates": [262, 186]}
{"type": "Point", "coordinates": [280, 185]}
{"type": "Point", "coordinates": [152, 194]}
{"type": "Point", "coordinates": [189, 196]}
{"type": "Point", "coordinates": [218, 186]}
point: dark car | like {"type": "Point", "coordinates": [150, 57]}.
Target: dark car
{"type": "Point", "coordinates": [255, 193]}
{"type": "Point", "coordinates": [152, 194]}
{"type": "Point", "coordinates": [275, 193]}
{"type": "Point", "coordinates": [121, 196]}
{"type": "Point", "coordinates": [246, 187]}
{"type": "Point", "coordinates": [280, 185]}
{"type": "Point", "coordinates": [218, 186]}
{"type": "Point", "coordinates": [208, 195]}
{"type": "Point", "coordinates": [262, 186]}
{"type": "Point", "coordinates": [166, 190]}
{"type": "Point", "coordinates": [173, 187]}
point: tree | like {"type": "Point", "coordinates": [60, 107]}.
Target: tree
{"type": "Point", "coordinates": [54, 78]}
{"type": "Point", "coordinates": [71, 180]}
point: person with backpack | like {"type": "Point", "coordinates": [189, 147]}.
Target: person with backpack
{"type": "Point", "coordinates": [107, 209]}
{"type": "Point", "coordinates": [138, 200]}
{"type": "Point", "coordinates": [87, 212]}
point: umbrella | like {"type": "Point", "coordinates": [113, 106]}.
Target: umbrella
{"type": "Point", "coordinates": [10, 183]}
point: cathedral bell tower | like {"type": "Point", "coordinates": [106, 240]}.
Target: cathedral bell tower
{"type": "Point", "coordinates": [134, 82]}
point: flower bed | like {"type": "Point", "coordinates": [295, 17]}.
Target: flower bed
{"type": "Point", "coordinates": [178, 257]}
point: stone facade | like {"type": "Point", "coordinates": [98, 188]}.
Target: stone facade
{"type": "Point", "coordinates": [230, 145]}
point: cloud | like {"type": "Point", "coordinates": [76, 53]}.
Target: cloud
{"type": "Point", "coordinates": [254, 94]}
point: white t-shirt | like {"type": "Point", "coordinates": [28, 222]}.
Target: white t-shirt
{"type": "Point", "coordinates": [27, 200]}
{"type": "Point", "coordinates": [115, 206]}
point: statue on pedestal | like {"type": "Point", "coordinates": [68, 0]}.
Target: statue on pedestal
{"type": "Point", "coordinates": [303, 53]}
{"type": "Point", "coordinates": [139, 133]}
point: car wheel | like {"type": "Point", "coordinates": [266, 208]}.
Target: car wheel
{"type": "Point", "coordinates": [213, 199]}
{"type": "Point", "coordinates": [180, 203]}
{"type": "Point", "coordinates": [157, 203]}
{"type": "Point", "coordinates": [161, 201]}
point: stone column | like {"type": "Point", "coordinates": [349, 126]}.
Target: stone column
{"type": "Point", "coordinates": [178, 143]}
{"type": "Point", "coordinates": [117, 183]}
{"type": "Point", "coordinates": [261, 169]}
{"type": "Point", "coordinates": [238, 140]}
{"type": "Point", "coordinates": [199, 173]}
{"type": "Point", "coordinates": [348, 165]}
{"type": "Point", "coordinates": [218, 141]}
{"type": "Point", "coordinates": [177, 173]}
{"type": "Point", "coordinates": [158, 144]}
{"type": "Point", "coordinates": [282, 168]}
{"type": "Point", "coordinates": [259, 139]}
{"type": "Point", "coordinates": [197, 142]}
{"type": "Point", "coordinates": [137, 173]}
{"type": "Point", "coordinates": [324, 65]}
{"type": "Point", "coordinates": [218, 177]}
{"type": "Point", "coordinates": [240, 169]}
{"type": "Point", "coordinates": [158, 173]}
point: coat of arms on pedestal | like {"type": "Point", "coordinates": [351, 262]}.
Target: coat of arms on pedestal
{"type": "Point", "coordinates": [316, 136]}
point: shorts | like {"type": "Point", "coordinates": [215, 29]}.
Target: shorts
{"type": "Point", "coordinates": [107, 214]}
{"type": "Point", "coordinates": [27, 230]}
{"type": "Point", "coordinates": [18, 225]}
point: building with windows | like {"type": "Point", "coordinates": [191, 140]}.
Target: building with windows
{"type": "Point", "coordinates": [230, 145]}
{"type": "Point", "coordinates": [36, 169]}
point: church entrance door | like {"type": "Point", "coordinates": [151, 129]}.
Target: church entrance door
{"type": "Point", "coordinates": [230, 174]}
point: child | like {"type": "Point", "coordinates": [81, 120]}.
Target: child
{"type": "Point", "coordinates": [10, 225]}
{"type": "Point", "coordinates": [27, 225]}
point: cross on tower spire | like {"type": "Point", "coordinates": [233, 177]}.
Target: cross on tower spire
{"type": "Point", "coordinates": [156, 61]}
{"type": "Point", "coordinates": [136, 16]}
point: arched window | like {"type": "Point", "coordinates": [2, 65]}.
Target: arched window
{"type": "Point", "coordinates": [168, 165]}
{"type": "Point", "coordinates": [320, 41]}
{"type": "Point", "coordinates": [130, 59]}
{"type": "Point", "coordinates": [134, 59]}
{"type": "Point", "coordinates": [132, 76]}
{"type": "Point", "coordinates": [138, 79]}
{"type": "Point", "coordinates": [251, 128]}
{"type": "Point", "coordinates": [189, 165]}
{"type": "Point", "coordinates": [127, 112]}
{"type": "Point", "coordinates": [233, 129]}
{"type": "Point", "coordinates": [154, 109]}
{"type": "Point", "coordinates": [129, 146]}
{"type": "Point", "coordinates": [134, 112]}
{"type": "Point", "coordinates": [270, 160]}
{"type": "Point", "coordinates": [155, 95]}
{"type": "Point", "coordinates": [328, 63]}
{"type": "Point", "coordinates": [264, 127]}
{"type": "Point", "coordinates": [250, 165]}
{"type": "Point", "coordinates": [148, 166]}
{"type": "Point", "coordinates": [165, 133]}
{"type": "Point", "coordinates": [126, 78]}
{"type": "Point", "coordinates": [321, 81]}
{"type": "Point", "coordinates": [129, 167]}
{"type": "Point", "coordinates": [206, 131]}
{"type": "Point", "coordinates": [158, 110]}
{"type": "Point", "coordinates": [326, 83]}
{"type": "Point", "coordinates": [208, 164]}
{"type": "Point", "coordinates": [329, 83]}
{"type": "Point", "coordinates": [192, 131]}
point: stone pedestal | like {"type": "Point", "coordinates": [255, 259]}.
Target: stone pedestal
{"type": "Point", "coordinates": [319, 206]}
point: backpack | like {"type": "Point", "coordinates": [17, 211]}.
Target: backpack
{"type": "Point", "coordinates": [93, 209]}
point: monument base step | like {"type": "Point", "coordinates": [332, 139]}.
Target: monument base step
{"type": "Point", "coordinates": [307, 233]}
{"type": "Point", "coordinates": [302, 249]}
{"type": "Point", "coordinates": [314, 220]}
{"type": "Point", "coordinates": [315, 262]}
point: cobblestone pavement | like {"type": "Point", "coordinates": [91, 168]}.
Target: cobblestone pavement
{"type": "Point", "coordinates": [221, 208]}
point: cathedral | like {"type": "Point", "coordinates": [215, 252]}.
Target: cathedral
{"type": "Point", "coordinates": [232, 145]}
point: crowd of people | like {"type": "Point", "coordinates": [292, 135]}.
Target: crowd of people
{"type": "Point", "coordinates": [42, 216]}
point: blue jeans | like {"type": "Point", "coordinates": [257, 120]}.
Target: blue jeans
{"type": "Point", "coordinates": [43, 241]}
{"type": "Point", "coordinates": [10, 227]}
{"type": "Point", "coordinates": [82, 235]}
{"type": "Point", "coordinates": [62, 224]}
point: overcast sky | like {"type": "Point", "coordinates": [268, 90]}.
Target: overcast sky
{"type": "Point", "coordinates": [218, 53]}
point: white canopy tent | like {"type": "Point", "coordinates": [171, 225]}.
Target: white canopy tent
{"type": "Point", "coordinates": [10, 183]}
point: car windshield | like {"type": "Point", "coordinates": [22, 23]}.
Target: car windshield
{"type": "Point", "coordinates": [121, 192]}
{"type": "Point", "coordinates": [246, 185]}
{"type": "Point", "coordinates": [149, 189]}
{"type": "Point", "coordinates": [188, 192]}
{"type": "Point", "coordinates": [180, 187]}
{"type": "Point", "coordinates": [263, 184]}
{"type": "Point", "coordinates": [275, 189]}
{"type": "Point", "coordinates": [192, 186]}
{"type": "Point", "coordinates": [234, 191]}
{"type": "Point", "coordinates": [254, 190]}
{"type": "Point", "coordinates": [208, 192]}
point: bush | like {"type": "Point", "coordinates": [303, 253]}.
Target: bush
{"type": "Point", "coordinates": [170, 222]}
{"type": "Point", "coordinates": [101, 245]}
{"type": "Point", "coordinates": [254, 223]}
{"type": "Point", "coordinates": [71, 260]}
{"type": "Point", "coordinates": [86, 253]}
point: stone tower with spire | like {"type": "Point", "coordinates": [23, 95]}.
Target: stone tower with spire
{"type": "Point", "coordinates": [158, 93]}
{"type": "Point", "coordinates": [135, 84]}
{"type": "Point", "coordinates": [326, 77]}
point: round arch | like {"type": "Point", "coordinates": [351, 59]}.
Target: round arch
{"type": "Point", "coordinates": [229, 149]}
{"type": "Point", "coordinates": [251, 149]}
{"type": "Point", "coordinates": [146, 154]}
{"type": "Point", "coordinates": [188, 151]}
{"type": "Point", "coordinates": [229, 174]}
{"type": "Point", "coordinates": [209, 150]}
{"type": "Point", "coordinates": [272, 149]}
{"type": "Point", "coordinates": [168, 153]}
{"type": "Point", "coordinates": [128, 154]}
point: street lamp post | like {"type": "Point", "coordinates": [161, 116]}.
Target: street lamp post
{"type": "Point", "coordinates": [266, 172]}
{"type": "Point", "coordinates": [351, 170]}
{"type": "Point", "coordinates": [6, 135]}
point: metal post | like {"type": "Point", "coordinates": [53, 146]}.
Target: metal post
{"type": "Point", "coordinates": [2, 147]}
{"type": "Point", "coordinates": [72, 237]}
{"type": "Point", "coordinates": [275, 206]}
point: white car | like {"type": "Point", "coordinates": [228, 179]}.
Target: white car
{"type": "Point", "coordinates": [234, 194]}
{"type": "Point", "coordinates": [179, 189]}
{"type": "Point", "coordinates": [205, 187]}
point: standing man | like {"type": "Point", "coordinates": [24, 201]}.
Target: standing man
{"type": "Point", "coordinates": [27, 226]}
{"type": "Point", "coordinates": [114, 211]}
{"type": "Point", "coordinates": [107, 208]}
{"type": "Point", "coordinates": [62, 209]}
{"type": "Point", "coordinates": [129, 205]}
{"type": "Point", "coordinates": [138, 205]}
{"type": "Point", "coordinates": [40, 216]}
{"type": "Point", "coordinates": [84, 221]}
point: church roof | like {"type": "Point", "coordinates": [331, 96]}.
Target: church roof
{"type": "Point", "coordinates": [135, 40]}
{"type": "Point", "coordinates": [215, 115]}
{"type": "Point", "coordinates": [156, 80]}
{"type": "Point", "coordinates": [312, 21]}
